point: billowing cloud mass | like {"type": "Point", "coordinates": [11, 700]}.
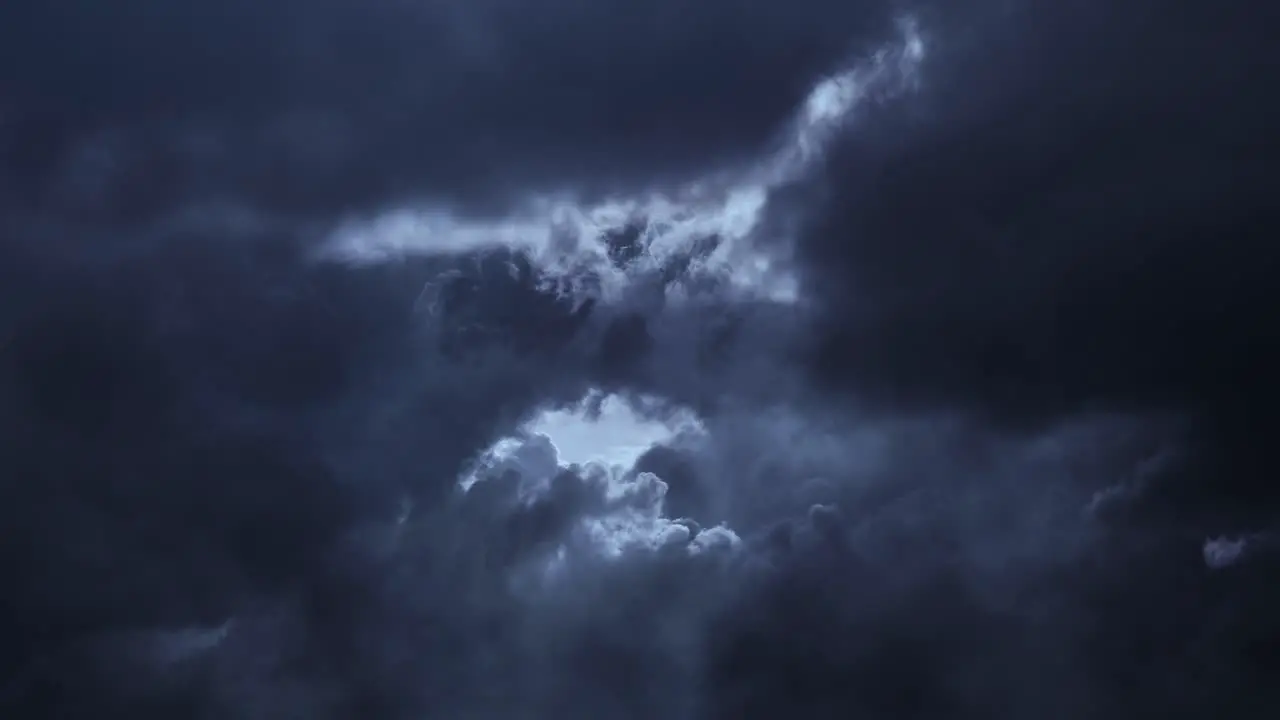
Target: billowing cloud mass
{"type": "Point", "coordinates": [688, 360]}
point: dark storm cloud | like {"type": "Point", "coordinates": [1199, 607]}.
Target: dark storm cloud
{"type": "Point", "coordinates": [197, 432]}
{"type": "Point", "coordinates": [1074, 211]}
{"type": "Point", "coordinates": [230, 471]}
{"type": "Point", "coordinates": [318, 108]}
{"type": "Point", "coordinates": [1074, 214]}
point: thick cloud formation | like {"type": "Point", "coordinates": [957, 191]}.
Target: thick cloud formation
{"type": "Point", "coordinates": [1073, 216]}
{"type": "Point", "coordinates": [321, 108]}
{"type": "Point", "coordinates": [959, 317]}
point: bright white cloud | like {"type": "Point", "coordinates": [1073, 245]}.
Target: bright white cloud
{"type": "Point", "coordinates": [602, 431]}
{"type": "Point", "coordinates": [564, 236]}
{"type": "Point", "coordinates": [614, 434]}
{"type": "Point", "coordinates": [600, 441]}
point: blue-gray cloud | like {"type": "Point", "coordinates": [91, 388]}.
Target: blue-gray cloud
{"type": "Point", "coordinates": [970, 304]}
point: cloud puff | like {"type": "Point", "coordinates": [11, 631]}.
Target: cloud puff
{"type": "Point", "coordinates": [1223, 552]}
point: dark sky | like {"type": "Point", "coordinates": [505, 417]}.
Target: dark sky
{"type": "Point", "coordinates": [972, 302]}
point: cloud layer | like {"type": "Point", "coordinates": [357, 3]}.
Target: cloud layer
{"type": "Point", "coordinates": [957, 318]}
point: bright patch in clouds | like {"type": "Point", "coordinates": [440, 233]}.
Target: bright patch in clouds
{"type": "Point", "coordinates": [604, 431]}
{"type": "Point", "coordinates": [565, 237]}
{"type": "Point", "coordinates": [598, 444]}
{"type": "Point", "coordinates": [616, 436]}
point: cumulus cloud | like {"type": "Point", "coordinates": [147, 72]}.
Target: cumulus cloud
{"type": "Point", "coordinates": [633, 360]}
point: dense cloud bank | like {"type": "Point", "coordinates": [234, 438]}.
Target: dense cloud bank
{"type": "Point", "coordinates": [960, 316]}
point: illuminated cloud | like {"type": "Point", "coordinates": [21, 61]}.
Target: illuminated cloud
{"type": "Point", "coordinates": [565, 237]}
